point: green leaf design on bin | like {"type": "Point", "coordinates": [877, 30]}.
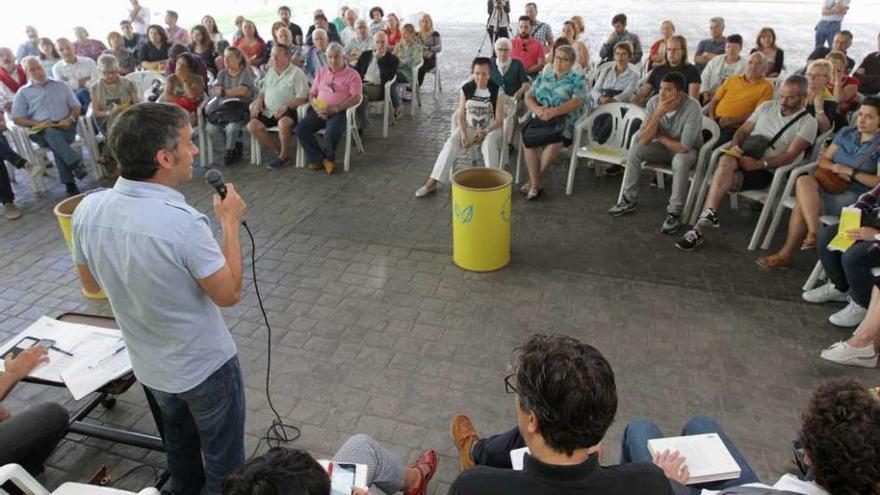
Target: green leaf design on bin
{"type": "Point", "coordinates": [464, 215]}
{"type": "Point", "coordinates": [505, 210]}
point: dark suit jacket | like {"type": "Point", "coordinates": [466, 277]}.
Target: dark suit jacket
{"type": "Point", "coordinates": [387, 65]}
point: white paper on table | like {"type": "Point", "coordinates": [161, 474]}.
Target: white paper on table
{"type": "Point", "coordinates": [517, 456]}
{"type": "Point", "coordinates": [87, 375]}
{"type": "Point", "coordinates": [85, 342]}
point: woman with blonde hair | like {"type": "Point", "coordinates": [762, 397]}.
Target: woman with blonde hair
{"type": "Point", "coordinates": [569, 31]}
{"type": "Point", "coordinates": [431, 45]}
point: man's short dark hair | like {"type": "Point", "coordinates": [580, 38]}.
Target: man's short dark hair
{"type": "Point", "coordinates": [735, 38]}
{"type": "Point", "coordinates": [569, 386]}
{"type": "Point", "coordinates": [124, 22]}
{"type": "Point", "coordinates": [171, 13]}
{"type": "Point", "coordinates": [377, 9]}
{"type": "Point", "coordinates": [525, 18]}
{"type": "Point", "coordinates": [677, 80]}
{"type": "Point", "coordinates": [799, 81]}
{"type": "Point", "coordinates": [321, 17]}
{"type": "Point", "coordinates": [532, 4]}
{"type": "Point", "coordinates": [280, 471]}
{"type": "Point", "coordinates": [840, 431]}
{"type": "Point", "coordinates": [140, 132]}
{"type": "Point", "coordinates": [284, 8]}
{"type": "Point", "coordinates": [481, 61]}
{"type": "Point", "coordinates": [846, 33]}
{"type": "Point", "coordinates": [619, 18]}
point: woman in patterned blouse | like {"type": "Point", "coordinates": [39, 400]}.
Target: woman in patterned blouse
{"type": "Point", "coordinates": [561, 92]}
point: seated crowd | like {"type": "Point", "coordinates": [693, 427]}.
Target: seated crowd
{"type": "Point", "coordinates": [243, 83]}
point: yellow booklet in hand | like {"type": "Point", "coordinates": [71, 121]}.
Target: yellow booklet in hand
{"type": "Point", "coordinates": [850, 219]}
{"type": "Point", "coordinates": [42, 127]}
{"type": "Point", "coordinates": [320, 104]}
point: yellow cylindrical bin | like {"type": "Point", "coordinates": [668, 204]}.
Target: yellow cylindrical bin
{"type": "Point", "coordinates": [64, 214]}
{"type": "Point", "coordinates": [481, 219]}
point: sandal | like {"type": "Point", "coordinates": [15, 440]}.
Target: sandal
{"type": "Point", "coordinates": [427, 466]}
{"type": "Point", "coordinates": [532, 194]}
{"type": "Point", "coordinates": [773, 261]}
{"type": "Point", "coordinates": [809, 241]}
{"type": "Point", "coordinates": [525, 188]}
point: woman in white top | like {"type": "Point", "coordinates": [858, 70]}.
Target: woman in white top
{"type": "Point", "coordinates": [569, 31]}
{"type": "Point", "coordinates": [480, 117]}
{"type": "Point", "coordinates": [618, 82]}
{"type": "Point", "coordinates": [211, 25]}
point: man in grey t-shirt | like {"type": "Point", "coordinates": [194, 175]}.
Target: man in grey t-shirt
{"type": "Point", "coordinates": [784, 120]}
{"type": "Point", "coordinates": [710, 48]}
{"type": "Point", "coordinates": [671, 135]}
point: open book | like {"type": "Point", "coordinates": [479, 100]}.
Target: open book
{"type": "Point", "coordinates": [82, 357]}
{"type": "Point", "coordinates": [707, 458]}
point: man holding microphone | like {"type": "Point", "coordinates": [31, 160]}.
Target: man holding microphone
{"type": "Point", "coordinates": [165, 275]}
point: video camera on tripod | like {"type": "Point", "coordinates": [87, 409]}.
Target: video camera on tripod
{"type": "Point", "coordinates": [498, 22]}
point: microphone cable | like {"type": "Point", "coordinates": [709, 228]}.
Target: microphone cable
{"type": "Point", "coordinates": [278, 432]}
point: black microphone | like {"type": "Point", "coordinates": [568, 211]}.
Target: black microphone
{"type": "Point", "coordinates": [215, 179]}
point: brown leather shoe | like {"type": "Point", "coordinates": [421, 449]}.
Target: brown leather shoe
{"type": "Point", "coordinates": [464, 436]}
{"type": "Point", "coordinates": [329, 166]}
{"type": "Point", "coordinates": [316, 166]}
{"type": "Point", "coordinates": [773, 261]}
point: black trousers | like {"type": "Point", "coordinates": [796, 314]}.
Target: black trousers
{"type": "Point", "coordinates": [494, 451]}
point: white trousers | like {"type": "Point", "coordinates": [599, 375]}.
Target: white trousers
{"type": "Point", "coordinates": [490, 147]}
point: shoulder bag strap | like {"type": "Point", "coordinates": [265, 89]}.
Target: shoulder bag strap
{"type": "Point", "coordinates": [785, 128]}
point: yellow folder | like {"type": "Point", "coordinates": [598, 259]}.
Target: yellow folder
{"type": "Point", "coordinates": [850, 219]}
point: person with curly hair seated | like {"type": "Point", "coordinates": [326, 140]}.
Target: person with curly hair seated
{"type": "Point", "coordinates": [840, 432]}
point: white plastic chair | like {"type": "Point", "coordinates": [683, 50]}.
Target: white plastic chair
{"type": "Point", "coordinates": [143, 79]}
{"type": "Point", "coordinates": [39, 157]}
{"type": "Point", "coordinates": [25, 149]}
{"type": "Point", "coordinates": [438, 85]}
{"type": "Point", "coordinates": [626, 120]}
{"type": "Point", "coordinates": [384, 105]}
{"type": "Point", "coordinates": [696, 174]}
{"type": "Point", "coordinates": [768, 197]}
{"type": "Point", "coordinates": [413, 87]}
{"type": "Point", "coordinates": [787, 199]}
{"type": "Point", "coordinates": [351, 134]}
{"type": "Point", "coordinates": [26, 483]}
{"type": "Point", "coordinates": [596, 72]}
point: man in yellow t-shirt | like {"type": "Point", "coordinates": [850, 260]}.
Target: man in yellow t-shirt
{"type": "Point", "coordinates": [738, 97]}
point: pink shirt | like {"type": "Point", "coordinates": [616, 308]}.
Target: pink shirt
{"type": "Point", "coordinates": [336, 88]}
{"type": "Point", "coordinates": [527, 51]}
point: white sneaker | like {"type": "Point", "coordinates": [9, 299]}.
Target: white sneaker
{"type": "Point", "coordinates": [824, 293]}
{"type": "Point", "coordinates": [843, 353]}
{"type": "Point", "coordinates": [850, 316]}
{"type": "Point", "coordinates": [424, 191]}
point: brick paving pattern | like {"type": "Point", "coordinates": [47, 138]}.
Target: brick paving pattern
{"type": "Point", "coordinates": [377, 332]}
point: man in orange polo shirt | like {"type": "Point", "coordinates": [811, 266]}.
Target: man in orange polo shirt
{"type": "Point", "coordinates": [528, 50]}
{"type": "Point", "coordinates": [738, 97]}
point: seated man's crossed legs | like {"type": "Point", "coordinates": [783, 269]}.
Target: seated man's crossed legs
{"type": "Point", "coordinates": [732, 175]}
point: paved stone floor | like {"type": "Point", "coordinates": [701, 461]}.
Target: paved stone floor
{"type": "Point", "coordinates": [376, 331]}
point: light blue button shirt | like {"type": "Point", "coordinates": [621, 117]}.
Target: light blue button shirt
{"type": "Point", "coordinates": [146, 248]}
{"type": "Point", "coordinates": [51, 101]}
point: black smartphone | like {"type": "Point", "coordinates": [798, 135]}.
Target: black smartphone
{"type": "Point", "coordinates": [22, 345]}
{"type": "Point", "coordinates": [342, 478]}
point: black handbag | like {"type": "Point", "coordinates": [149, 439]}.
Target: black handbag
{"type": "Point", "coordinates": [754, 146]}
{"type": "Point", "coordinates": [222, 112]}
{"type": "Point", "coordinates": [539, 132]}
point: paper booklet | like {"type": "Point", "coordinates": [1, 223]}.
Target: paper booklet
{"type": "Point", "coordinates": [345, 476]}
{"type": "Point", "coordinates": [850, 219]}
{"type": "Point", "coordinates": [707, 457]}
{"type": "Point", "coordinates": [516, 458]}
{"type": "Point", "coordinates": [82, 357]}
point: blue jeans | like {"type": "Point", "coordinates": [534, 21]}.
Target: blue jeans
{"type": "Point", "coordinates": [494, 451]}
{"type": "Point", "coordinates": [232, 131]}
{"type": "Point", "coordinates": [825, 32]}
{"type": "Point", "coordinates": [334, 129]}
{"type": "Point", "coordinates": [6, 154]}
{"type": "Point", "coordinates": [634, 448]}
{"type": "Point", "coordinates": [208, 421]}
{"type": "Point", "coordinates": [850, 271]}
{"type": "Point", "coordinates": [58, 140]}
{"type": "Point", "coordinates": [84, 97]}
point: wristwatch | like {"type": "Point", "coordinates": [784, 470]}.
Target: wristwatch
{"type": "Point", "coordinates": [877, 237]}
{"type": "Point", "coordinates": [764, 163]}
